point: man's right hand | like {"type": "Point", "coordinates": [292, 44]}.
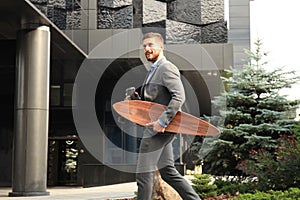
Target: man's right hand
{"type": "Point", "coordinates": [134, 96]}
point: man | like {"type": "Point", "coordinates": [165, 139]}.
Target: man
{"type": "Point", "coordinates": [162, 85]}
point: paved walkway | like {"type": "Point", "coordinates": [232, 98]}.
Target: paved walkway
{"type": "Point", "coordinates": [108, 192]}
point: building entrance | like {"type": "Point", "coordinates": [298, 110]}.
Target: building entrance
{"type": "Point", "coordinates": [63, 161]}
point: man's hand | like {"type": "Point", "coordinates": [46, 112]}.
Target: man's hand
{"type": "Point", "coordinates": [156, 127]}
{"type": "Point", "coordinates": [134, 96]}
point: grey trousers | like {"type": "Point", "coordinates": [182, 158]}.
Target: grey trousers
{"type": "Point", "coordinates": [157, 151]}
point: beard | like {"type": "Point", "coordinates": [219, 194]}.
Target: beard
{"type": "Point", "coordinates": [151, 57]}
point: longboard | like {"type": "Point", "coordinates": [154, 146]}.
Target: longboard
{"type": "Point", "coordinates": [143, 112]}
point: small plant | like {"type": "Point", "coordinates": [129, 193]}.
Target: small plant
{"type": "Point", "coordinates": [203, 186]}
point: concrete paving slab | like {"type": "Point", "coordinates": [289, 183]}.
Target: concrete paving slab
{"type": "Point", "coordinates": [108, 192]}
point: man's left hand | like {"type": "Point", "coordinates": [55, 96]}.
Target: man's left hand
{"type": "Point", "coordinates": [156, 127]}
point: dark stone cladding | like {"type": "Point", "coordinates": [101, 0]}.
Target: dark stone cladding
{"type": "Point", "coordinates": [39, 1]}
{"type": "Point", "coordinates": [65, 14]}
{"type": "Point", "coordinates": [159, 27]}
{"type": "Point", "coordinates": [41, 5]}
{"type": "Point", "coordinates": [214, 33]}
{"type": "Point", "coordinates": [58, 16]}
{"type": "Point", "coordinates": [186, 24]}
{"type": "Point", "coordinates": [183, 23]}
{"type": "Point", "coordinates": [166, 1]}
{"type": "Point", "coordinates": [182, 33]}
{"type": "Point", "coordinates": [114, 3]}
{"type": "Point", "coordinates": [188, 11]}
{"type": "Point", "coordinates": [137, 13]}
{"type": "Point", "coordinates": [115, 18]}
{"type": "Point", "coordinates": [73, 20]}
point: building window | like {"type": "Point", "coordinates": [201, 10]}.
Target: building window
{"type": "Point", "coordinates": [67, 94]}
{"type": "Point", "coordinates": [55, 95]}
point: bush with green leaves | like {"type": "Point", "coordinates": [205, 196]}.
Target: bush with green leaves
{"type": "Point", "coordinates": [278, 171]}
{"type": "Point", "coordinates": [203, 186]}
{"type": "Point", "coordinates": [225, 187]}
{"type": "Point", "coordinates": [290, 194]}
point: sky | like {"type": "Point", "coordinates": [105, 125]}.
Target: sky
{"type": "Point", "coordinates": [276, 23]}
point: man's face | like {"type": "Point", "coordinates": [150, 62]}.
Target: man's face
{"type": "Point", "coordinates": [152, 49]}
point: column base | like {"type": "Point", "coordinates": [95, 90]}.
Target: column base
{"type": "Point", "coordinates": [27, 194]}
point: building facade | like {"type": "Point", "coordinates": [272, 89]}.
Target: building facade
{"type": "Point", "coordinates": [239, 30]}
{"type": "Point", "coordinates": [98, 40]}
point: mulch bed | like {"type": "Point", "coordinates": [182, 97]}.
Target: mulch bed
{"type": "Point", "coordinates": [221, 197]}
{"type": "Point", "coordinates": [125, 199]}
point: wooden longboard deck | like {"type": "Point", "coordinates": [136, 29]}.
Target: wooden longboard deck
{"type": "Point", "coordinates": [143, 112]}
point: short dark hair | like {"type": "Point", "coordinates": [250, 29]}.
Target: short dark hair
{"type": "Point", "coordinates": [154, 35]}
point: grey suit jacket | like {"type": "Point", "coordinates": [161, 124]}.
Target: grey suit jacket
{"type": "Point", "coordinates": [165, 87]}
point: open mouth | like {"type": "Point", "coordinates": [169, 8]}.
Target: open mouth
{"type": "Point", "coordinates": [148, 54]}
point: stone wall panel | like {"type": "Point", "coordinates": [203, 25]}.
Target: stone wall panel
{"type": "Point", "coordinates": [166, 1]}
{"type": "Point", "coordinates": [185, 21]}
{"type": "Point", "coordinates": [105, 18]}
{"type": "Point", "coordinates": [159, 27]}
{"type": "Point", "coordinates": [182, 33]}
{"type": "Point", "coordinates": [60, 4]}
{"type": "Point", "coordinates": [188, 11]}
{"type": "Point", "coordinates": [43, 8]}
{"type": "Point", "coordinates": [212, 11]}
{"type": "Point", "coordinates": [65, 14]}
{"type": "Point", "coordinates": [154, 11]}
{"type": "Point", "coordinates": [214, 33]}
{"type": "Point", "coordinates": [73, 5]}
{"type": "Point", "coordinates": [137, 13]}
{"type": "Point", "coordinates": [73, 20]}
{"type": "Point", "coordinates": [39, 1]}
{"type": "Point", "coordinates": [123, 18]}
{"type": "Point", "coordinates": [115, 18]}
{"type": "Point", "coordinates": [115, 3]}
{"type": "Point", "coordinates": [59, 17]}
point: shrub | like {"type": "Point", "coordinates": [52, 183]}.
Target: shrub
{"type": "Point", "coordinates": [290, 194]}
{"type": "Point", "coordinates": [233, 188]}
{"type": "Point", "coordinates": [278, 171]}
{"type": "Point", "coordinates": [203, 186]}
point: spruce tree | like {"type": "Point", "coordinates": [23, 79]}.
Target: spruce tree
{"type": "Point", "coordinates": [255, 113]}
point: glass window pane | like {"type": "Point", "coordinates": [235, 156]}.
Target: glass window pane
{"type": "Point", "coordinates": [68, 90]}
{"type": "Point", "coordinates": [55, 95]}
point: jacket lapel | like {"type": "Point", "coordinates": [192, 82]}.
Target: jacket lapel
{"type": "Point", "coordinates": [162, 60]}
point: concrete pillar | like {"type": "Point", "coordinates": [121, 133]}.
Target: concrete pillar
{"type": "Point", "coordinates": [31, 112]}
